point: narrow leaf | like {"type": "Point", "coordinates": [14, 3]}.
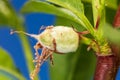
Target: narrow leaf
{"type": "Point", "coordinates": [76, 7]}
{"type": "Point", "coordinates": [43, 7]}
{"type": "Point", "coordinates": [10, 18]}
{"type": "Point", "coordinates": [98, 11]}
{"type": "Point", "coordinates": [65, 12]}
{"type": "Point", "coordinates": [113, 4]}
{"type": "Point", "coordinates": [8, 15]}
{"type": "Point", "coordinates": [6, 60]}
{"type": "Point", "coordinates": [99, 17]}
{"type": "Point", "coordinates": [7, 74]}
{"type": "Point", "coordinates": [66, 22]}
{"type": "Point", "coordinates": [111, 33]}
{"type": "Point", "coordinates": [7, 67]}
{"type": "Point", "coordinates": [73, 5]}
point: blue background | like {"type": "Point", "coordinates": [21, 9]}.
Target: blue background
{"type": "Point", "coordinates": [12, 43]}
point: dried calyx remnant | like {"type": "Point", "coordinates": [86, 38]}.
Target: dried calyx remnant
{"type": "Point", "coordinates": [59, 39]}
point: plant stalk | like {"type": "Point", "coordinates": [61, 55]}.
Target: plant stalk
{"type": "Point", "coordinates": [116, 22]}
{"type": "Point", "coordinates": [106, 68]}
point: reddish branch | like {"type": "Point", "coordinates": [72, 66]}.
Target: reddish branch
{"type": "Point", "coordinates": [107, 66]}
{"type": "Point", "coordinates": [97, 23]}
{"type": "Point", "coordinates": [116, 22]}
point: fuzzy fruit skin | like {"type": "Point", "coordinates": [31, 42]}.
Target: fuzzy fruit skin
{"type": "Point", "coordinates": [59, 38]}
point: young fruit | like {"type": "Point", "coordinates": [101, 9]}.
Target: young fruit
{"type": "Point", "coordinates": [59, 39]}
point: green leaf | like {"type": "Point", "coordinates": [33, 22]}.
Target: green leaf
{"type": "Point", "coordinates": [9, 74]}
{"type": "Point", "coordinates": [66, 22]}
{"type": "Point", "coordinates": [111, 34]}
{"type": "Point", "coordinates": [98, 10]}
{"type": "Point", "coordinates": [64, 11]}
{"type": "Point", "coordinates": [76, 7]}
{"type": "Point", "coordinates": [88, 12]}
{"type": "Point", "coordinates": [8, 15]}
{"type": "Point", "coordinates": [10, 18]}
{"type": "Point", "coordinates": [98, 7]}
{"type": "Point", "coordinates": [43, 7]}
{"type": "Point", "coordinates": [7, 67]}
{"type": "Point", "coordinates": [72, 5]}
{"type": "Point", "coordinates": [113, 4]}
{"type": "Point", "coordinates": [6, 60]}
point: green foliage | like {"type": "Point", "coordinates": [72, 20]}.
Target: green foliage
{"type": "Point", "coordinates": [9, 18]}
{"type": "Point", "coordinates": [7, 67]}
{"type": "Point", "coordinates": [113, 4]}
{"type": "Point", "coordinates": [74, 61]}
{"type": "Point", "coordinates": [8, 15]}
{"type": "Point", "coordinates": [109, 31]}
{"type": "Point", "coordinates": [72, 12]}
{"type": "Point", "coordinates": [66, 22]}
{"type": "Point", "coordinates": [98, 10]}
{"type": "Point", "coordinates": [4, 58]}
{"type": "Point", "coordinates": [74, 66]}
{"type": "Point", "coordinates": [6, 74]}
{"type": "Point", "coordinates": [43, 7]}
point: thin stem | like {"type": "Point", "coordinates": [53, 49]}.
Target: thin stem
{"type": "Point", "coordinates": [31, 35]}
